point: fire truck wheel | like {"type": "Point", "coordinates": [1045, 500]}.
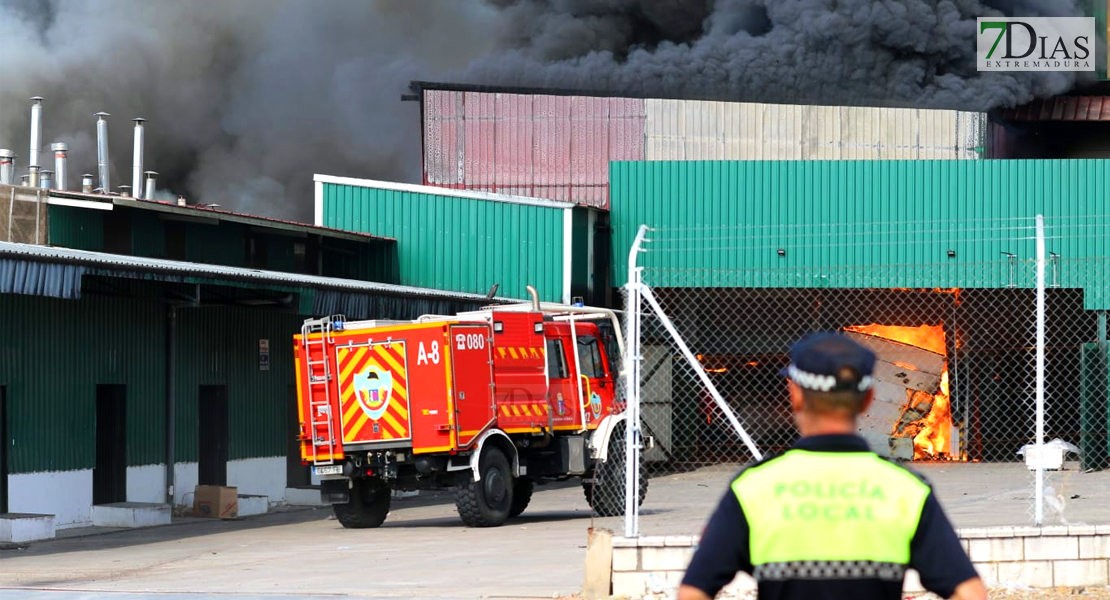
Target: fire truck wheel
{"type": "Point", "coordinates": [367, 508]}
{"type": "Point", "coordinates": [604, 486]}
{"type": "Point", "coordinates": [522, 495]}
{"type": "Point", "coordinates": [487, 503]}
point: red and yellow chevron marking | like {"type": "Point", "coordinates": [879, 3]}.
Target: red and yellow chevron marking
{"type": "Point", "coordinates": [519, 352]}
{"type": "Point", "coordinates": [524, 410]}
{"type": "Point", "coordinates": [358, 423]}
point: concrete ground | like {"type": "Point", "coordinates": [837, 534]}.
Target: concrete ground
{"type": "Point", "coordinates": [423, 550]}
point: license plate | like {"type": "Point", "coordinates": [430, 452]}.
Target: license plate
{"type": "Point", "coordinates": [328, 470]}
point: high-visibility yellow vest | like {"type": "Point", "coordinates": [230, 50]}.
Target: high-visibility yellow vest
{"type": "Point", "coordinates": [833, 510]}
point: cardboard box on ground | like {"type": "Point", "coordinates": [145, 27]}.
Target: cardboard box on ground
{"type": "Point", "coordinates": [216, 502]}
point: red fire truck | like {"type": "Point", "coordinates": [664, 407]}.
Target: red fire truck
{"type": "Point", "coordinates": [488, 403]}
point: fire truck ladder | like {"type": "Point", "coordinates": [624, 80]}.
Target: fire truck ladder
{"type": "Point", "coordinates": [318, 369]}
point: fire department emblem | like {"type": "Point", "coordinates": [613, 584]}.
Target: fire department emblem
{"type": "Point", "coordinates": [595, 404]}
{"type": "Point", "coordinates": [373, 389]}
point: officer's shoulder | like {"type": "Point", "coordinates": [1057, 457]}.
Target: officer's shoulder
{"type": "Point", "coordinates": [766, 460]}
{"type": "Point", "coordinates": [901, 465]}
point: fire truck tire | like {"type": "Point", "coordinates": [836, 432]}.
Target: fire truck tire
{"type": "Point", "coordinates": [522, 495]}
{"type": "Point", "coordinates": [604, 486]}
{"type": "Point", "coordinates": [487, 503]}
{"type": "Point", "coordinates": [367, 508]}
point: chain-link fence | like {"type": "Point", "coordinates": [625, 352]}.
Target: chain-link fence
{"type": "Point", "coordinates": [956, 342]}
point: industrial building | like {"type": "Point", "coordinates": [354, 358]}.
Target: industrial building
{"type": "Point", "coordinates": [792, 173]}
{"type": "Point", "coordinates": [160, 355]}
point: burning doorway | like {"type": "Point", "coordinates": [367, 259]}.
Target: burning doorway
{"type": "Point", "coordinates": [911, 416]}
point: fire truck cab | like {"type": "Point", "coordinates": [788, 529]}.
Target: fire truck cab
{"type": "Point", "coordinates": [487, 403]}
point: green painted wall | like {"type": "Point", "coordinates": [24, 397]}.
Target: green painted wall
{"type": "Point", "coordinates": [459, 244]}
{"type": "Point", "coordinates": [860, 223]}
{"type": "Point", "coordinates": [78, 228]}
{"type": "Point", "coordinates": [51, 371]}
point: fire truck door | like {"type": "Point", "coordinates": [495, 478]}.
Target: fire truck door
{"type": "Point", "coordinates": [563, 390]}
{"type": "Point", "coordinates": [597, 380]}
{"type": "Point", "coordinates": [472, 373]}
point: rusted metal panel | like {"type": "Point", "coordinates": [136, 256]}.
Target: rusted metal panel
{"type": "Point", "coordinates": [547, 146]}
{"type": "Point", "coordinates": [1069, 108]}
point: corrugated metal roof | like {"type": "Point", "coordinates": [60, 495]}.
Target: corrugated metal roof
{"type": "Point", "coordinates": [120, 262]}
{"type": "Point", "coordinates": [220, 214]}
{"type": "Point", "coordinates": [439, 191]}
{"type": "Point", "coordinates": [1063, 108]}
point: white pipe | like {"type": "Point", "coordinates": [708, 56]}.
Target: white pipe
{"type": "Point", "coordinates": [1038, 500]}
{"type": "Point", "coordinates": [102, 151]}
{"type": "Point", "coordinates": [148, 187]}
{"type": "Point", "coordinates": [137, 158]}
{"type": "Point", "coordinates": [7, 166]}
{"type": "Point", "coordinates": [61, 173]}
{"type": "Point", "coordinates": [36, 131]}
{"type": "Point", "coordinates": [694, 364]}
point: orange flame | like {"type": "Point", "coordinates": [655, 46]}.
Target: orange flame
{"type": "Point", "coordinates": [934, 429]}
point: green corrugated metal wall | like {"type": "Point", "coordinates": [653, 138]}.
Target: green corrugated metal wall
{"type": "Point", "coordinates": [221, 245]}
{"type": "Point", "coordinates": [78, 228]}
{"type": "Point", "coordinates": [53, 354]}
{"type": "Point", "coordinates": [459, 244]}
{"type": "Point", "coordinates": [219, 346]}
{"type": "Point", "coordinates": [819, 213]}
{"type": "Point", "coordinates": [148, 236]}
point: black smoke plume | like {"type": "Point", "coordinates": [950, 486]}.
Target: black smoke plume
{"type": "Point", "coordinates": [245, 99]}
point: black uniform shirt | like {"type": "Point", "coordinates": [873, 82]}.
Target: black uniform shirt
{"type": "Point", "coordinates": [935, 551]}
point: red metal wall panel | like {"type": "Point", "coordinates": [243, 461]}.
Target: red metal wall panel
{"type": "Point", "coordinates": [545, 146]}
{"type": "Point", "coordinates": [1067, 108]}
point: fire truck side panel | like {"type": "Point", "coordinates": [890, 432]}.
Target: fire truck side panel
{"type": "Point", "coordinates": [518, 364]}
{"type": "Point", "coordinates": [426, 378]}
{"type": "Point", "coordinates": [472, 370]}
{"type": "Point", "coordinates": [373, 391]}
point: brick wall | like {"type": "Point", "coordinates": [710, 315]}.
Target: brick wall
{"type": "Point", "coordinates": [1040, 557]}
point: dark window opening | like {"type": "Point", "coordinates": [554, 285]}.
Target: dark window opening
{"type": "Point", "coordinates": [589, 357]}
{"type": "Point", "coordinates": [175, 240]}
{"type": "Point", "coordinates": [556, 360]}
{"type": "Point", "coordinates": [5, 443]}
{"type": "Point", "coordinates": [110, 468]}
{"type": "Point", "coordinates": [212, 439]}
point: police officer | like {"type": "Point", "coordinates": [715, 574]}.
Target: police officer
{"type": "Point", "coordinates": [829, 518]}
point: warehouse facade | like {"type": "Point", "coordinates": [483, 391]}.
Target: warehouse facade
{"type": "Point", "coordinates": [558, 144]}
{"type": "Point", "coordinates": [749, 256]}
{"type": "Point", "coordinates": [470, 241]}
{"type": "Point", "coordinates": [134, 374]}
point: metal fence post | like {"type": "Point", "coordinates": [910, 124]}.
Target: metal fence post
{"type": "Point", "coordinates": [1038, 500]}
{"type": "Point", "coordinates": [632, 392]}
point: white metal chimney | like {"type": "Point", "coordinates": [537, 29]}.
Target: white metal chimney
{"type": "Point", "coordinates": [102, 150]}
{"type": "Point", "coordinates": [46, 178]}
{"type": "Point", "coordinates": [61, 175]}
{"type": "Point", "coordinates": [33, 176]}
{"type": "Point", "coordinates": [36, 131]}
{"type": "Point", "coordinates": [137, 161]}
{"type": "Point", "coordinates": [125, 190]}
{"type": "Point", "coordinates": [148, 187]}
{"type": "Point", "coordinates": [7, 166]}
{"type": "Point", "coordinates": [87, 183]}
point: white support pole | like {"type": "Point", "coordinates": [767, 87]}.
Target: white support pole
{"type": "Point", "coordinates": [696, 366]}
{"type": "Point", "coordinates": [632, 392]}
{"type": "Point", "coordinates": [1038, 499]}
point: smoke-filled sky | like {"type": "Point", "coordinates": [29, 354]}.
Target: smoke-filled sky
{"type": "Point", "coordinates": [246, 99]}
